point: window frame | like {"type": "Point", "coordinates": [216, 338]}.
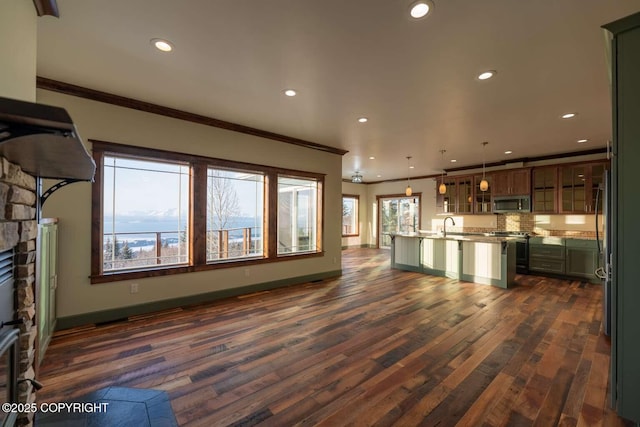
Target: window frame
{"type": "Point", "coordinates": [264, 201]}
{"type": "Point", "coordinates": [356, 197]}
{"type": "Point", "coordinates": [318, 225]}
{"type": "Point", "coordinates": [199, 166]}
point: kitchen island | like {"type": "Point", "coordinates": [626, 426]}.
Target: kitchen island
{"type": "Point", "coordinates": [471, 257]}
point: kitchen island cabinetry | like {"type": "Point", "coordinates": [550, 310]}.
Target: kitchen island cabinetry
{"type": "Point", "coordinates": [478, 259]}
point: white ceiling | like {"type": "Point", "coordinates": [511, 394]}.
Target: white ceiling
{"type": "Point", "coordinates": [414, 79]}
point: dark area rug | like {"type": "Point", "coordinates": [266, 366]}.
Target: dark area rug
{"type": "Point", "coordinates": [124, 407]}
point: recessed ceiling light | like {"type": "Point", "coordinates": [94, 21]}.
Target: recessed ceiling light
{"type": "Point", "coordinates": [453, 160]}
{"type": "Point", "coordinates": [379, 176]}
{"type": "Point", "coordinates": [363, 120]}
{"type": "Point", "coordinates": [162, 45]}
{"type": "Point", "coordinates": [290, 92]}
{"type": "Point", "coordinates": [508, 152]}
{"type": "Point", "coordinates": [568, 115]}
{"type": "Point", "coordinates": [411, 167]}
{"type": "Point", "coordinates": [582, 141]}
{"type": "Point", "coordinates": [486, 75]}
{"type": "Point", "coordinates": [372, 158]}
{"type": "Point", "coordinates": [420, 9]}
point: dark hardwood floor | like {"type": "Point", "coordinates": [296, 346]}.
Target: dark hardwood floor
{"type": "Point", "coordinates": [373, 347]}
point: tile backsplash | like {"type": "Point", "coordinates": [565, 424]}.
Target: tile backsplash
{"type": "Point", "coordinates": [580, 226]}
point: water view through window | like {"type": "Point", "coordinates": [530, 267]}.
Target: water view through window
{"type": "Point", "coordinates": [235, 203]}
{"type": "Point", "coordinates": [145, 216]}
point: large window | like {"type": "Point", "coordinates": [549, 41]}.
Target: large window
{"type": "Point", "coordinates": [145, 213]}
{"type": "Point", "coordinates": [235, 205]}
{"type": "Point", "coordinates": [156, 212]}
{"type": "Point", "coordinates": [297, 215]}
{"type": "Point", "coordinates": [350, 223]}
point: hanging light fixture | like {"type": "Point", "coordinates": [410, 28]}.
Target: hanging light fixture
{"type": "Point", "coordinates": [408, 192]}
{"type": "Point", "coordinates": [357, 178]}
{"type": "Point", "coordinates": [484, 184]}
{"type": "Point", "coordinates": [442, 189]}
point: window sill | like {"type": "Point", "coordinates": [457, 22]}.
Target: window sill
{"type": "Point", "coordinates": [170, 270]}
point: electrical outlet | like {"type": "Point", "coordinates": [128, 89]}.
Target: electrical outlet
{"type": "Point", "coordinates": [247, 273]}
{"type": "Point", "coordinates": [133, 288]}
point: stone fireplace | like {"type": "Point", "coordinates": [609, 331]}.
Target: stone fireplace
{"type": "Point", "coordinates": [18, 231]}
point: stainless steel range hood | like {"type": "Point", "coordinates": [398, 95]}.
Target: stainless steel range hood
{"type": "Point", "coordinates": [43, 140]}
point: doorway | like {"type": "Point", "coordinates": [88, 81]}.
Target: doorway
{"type": "Point", "coordinates": [397, 214]}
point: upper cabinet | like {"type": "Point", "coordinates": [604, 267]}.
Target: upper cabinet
{"type": "Point", "coordinates": [447, 202]}
{"type": "Point", "coordinates": [516, 182]}
{"type": "Point", "coordinates": [482, 199]}
{"type": "Point", "coordinates": [565, 188]}
{"type": "Point", "coordinates": [463, 196]}
{"type": "Point", "coordinates": [579, 186]}
{"type": "Point", "coordinates": [545, 189]}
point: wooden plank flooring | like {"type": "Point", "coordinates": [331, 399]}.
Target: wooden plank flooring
{"type": "Point", "coordinates": [375, 347]}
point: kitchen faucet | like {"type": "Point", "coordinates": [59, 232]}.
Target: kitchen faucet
{"type": "Point", "coordinates": [444, 225]}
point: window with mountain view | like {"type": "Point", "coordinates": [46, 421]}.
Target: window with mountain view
{"type": "Point", "coordinates": [157, 212]}
{"type": "Point", "coordinates": [145, 213]}
{"type": "Point", "coordinates": [235, 206]}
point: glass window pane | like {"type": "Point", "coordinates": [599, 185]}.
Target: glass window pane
{"type": "Point", "coordinates": [145, 213]}
{"type": "Point", "coordinates": [297, 215]}
{"type": "Point", "coordinates": [350, 216]}
{"type": "Point", "coordinates": [235, 206]}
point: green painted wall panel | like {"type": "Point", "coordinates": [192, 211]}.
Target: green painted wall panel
{"type": "Point", "coordinates": [626, 215]}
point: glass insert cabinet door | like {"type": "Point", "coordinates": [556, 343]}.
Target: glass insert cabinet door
{"type": "Point", "coordinates": [397, 215]}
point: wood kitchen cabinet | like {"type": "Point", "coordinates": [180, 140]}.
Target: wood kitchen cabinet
{"type": "Point", "coordinates": [465, 195]}
{"type": "Point", "coordinates": [458, 199]}
{"type": "Point", "coordinates": [482, 199]}
{"type": "Point", "coordinates": [446, 203]}
{"type": "Point", "coordinates": [579, 185]}
{"type": "Point", "coordinates": [545, 189]}
{"type": "Point", "coordinates": [516, 182]}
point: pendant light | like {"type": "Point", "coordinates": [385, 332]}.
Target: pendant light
{"type": "Point", "coordinates": [408, 192]}
{"type": "Point", "coordinates": [484, 184]}
{"type": "Point", "coordinates": [442, 189]}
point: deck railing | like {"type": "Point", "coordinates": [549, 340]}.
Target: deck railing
{"type": "Point", "coordinates": [136, 249]}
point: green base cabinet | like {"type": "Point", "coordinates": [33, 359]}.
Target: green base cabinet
{"type": "Point", "coordinates": [582, 259]}
{"type": "Point", "coordinates": [547, 255]}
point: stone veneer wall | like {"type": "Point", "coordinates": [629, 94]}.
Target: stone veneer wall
{"type": "Point", "coordinates": [19, 229]}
